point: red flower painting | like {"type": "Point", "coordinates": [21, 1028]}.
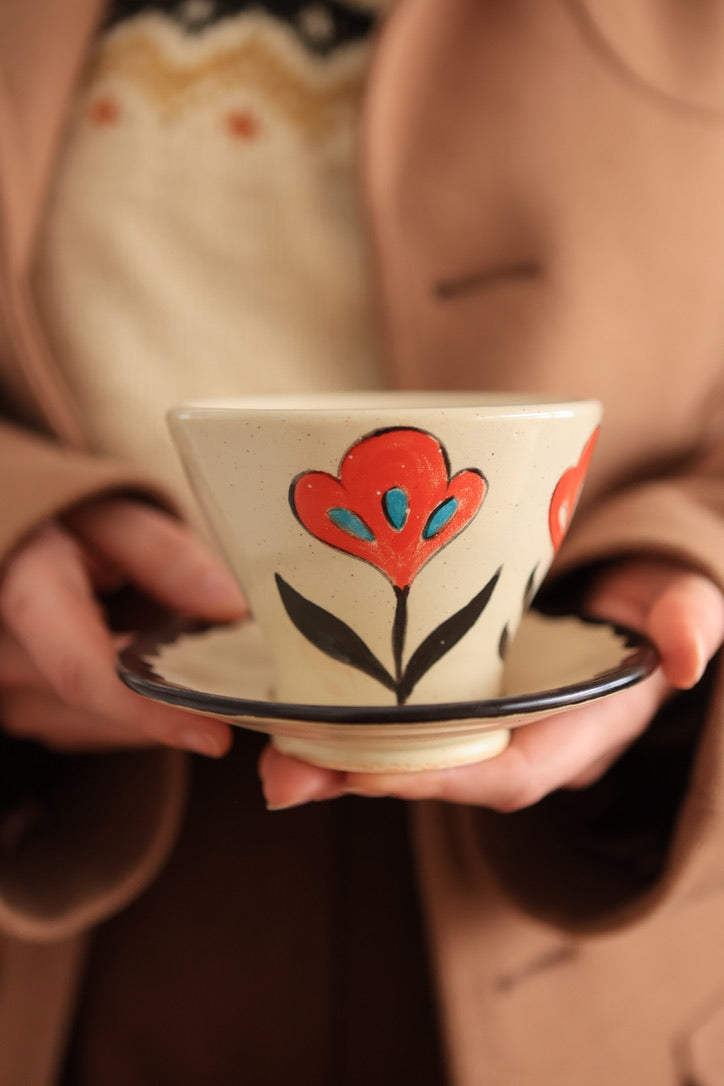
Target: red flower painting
{"type": "Point", "coordinates": [395, 505]}
{"type": "Point", "coordinates": [567, 492]}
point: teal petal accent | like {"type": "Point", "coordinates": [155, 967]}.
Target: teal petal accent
{"type": "Point", "coordinates": [396, 507]}
{"type": "Point", "coordinates": [350, 523]}
{"type": "Point", "coordinates": [439, 518]}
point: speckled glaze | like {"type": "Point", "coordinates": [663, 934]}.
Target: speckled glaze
{"type": "Point", "coordinates": [390, 543]}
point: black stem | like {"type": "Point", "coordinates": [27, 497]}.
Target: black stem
{"type": "Point", "coordinates": [399, 628]}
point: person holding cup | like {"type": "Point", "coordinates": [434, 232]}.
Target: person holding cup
{"type": "Point", "coordinates": [518, 259]}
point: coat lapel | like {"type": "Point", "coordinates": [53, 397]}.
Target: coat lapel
{"type": "Point", "coordinates": [41, 50]}
{"type": "Point", "coordinates": [42, 46]}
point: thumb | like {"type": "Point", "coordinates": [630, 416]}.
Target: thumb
{"type": "Point", "coordinates": [679, 609]}
{"type": "Point", "coordinates": [160, 555]}
{"type": "Point", "coordinates": [686, 623]}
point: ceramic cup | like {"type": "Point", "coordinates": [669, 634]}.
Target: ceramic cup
{"type": "Point", "coordinates": [388, 543]}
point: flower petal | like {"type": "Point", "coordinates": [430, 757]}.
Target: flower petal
{"type": "Point", "coordinates": [393, 503]}
{"type": "Point", "coordinates": [567, 492]}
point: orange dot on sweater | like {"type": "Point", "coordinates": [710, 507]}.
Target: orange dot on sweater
{"type": "Point", "coordinates": [241, 124]}
{"type": "Point", "coordinates": [103, 111]}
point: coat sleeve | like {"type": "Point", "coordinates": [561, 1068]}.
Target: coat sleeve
{"type": "Point", "coordinates": [651, 832]}
{"type": "Point", "coordinates": [80, 836]}
{"type": "Point", "coordinates": [679, 516]}
{"type": "Point", "coordinates": [39, 479]}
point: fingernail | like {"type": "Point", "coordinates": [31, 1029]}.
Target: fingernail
{"type": "Point", "coordinates": [312, 794]}
{"type": "Point", "coordinates": [219, 588]}
{"type": "Point", "coordinates": [201, 743]}
{"type": "Point", "coordinates": [299, 802]}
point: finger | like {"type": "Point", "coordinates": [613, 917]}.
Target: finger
{"type": "Point", "coordinates": [680, 610]}
{"type": "Point", "coordinates": [62, 630]}
{"type": "Point", "coordinates": [542, 756]}
{"type": "Point", "coordinates": [687, 625]}
{"type": "Point", "coordinates": [288, 782]}
{"type": "Point", "coordinates": [161, 556]}
{"type": "Point", "coordinates": [18, 669]}
{"type": "Point", "coordinates": [16, 666]}
{"type": "Point", "coordinates": [38, 715]}
{"type": "Point", "coordinates": [597, 769]}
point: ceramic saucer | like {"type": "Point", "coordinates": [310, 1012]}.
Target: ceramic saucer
{"type": "Point", "coordinates": [553, 664]}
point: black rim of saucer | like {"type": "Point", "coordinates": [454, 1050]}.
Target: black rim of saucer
{"type": "Point", "coordinates": [639, 659]}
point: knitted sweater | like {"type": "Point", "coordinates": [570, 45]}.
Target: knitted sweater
{"type": "Point", "coordinates": [206, 202]}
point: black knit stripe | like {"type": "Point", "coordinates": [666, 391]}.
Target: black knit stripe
{"type": "Point", "coordinates": [321, 25]}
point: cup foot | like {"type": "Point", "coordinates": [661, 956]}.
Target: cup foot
{"type": "Point", "coordinates": [396, 755]}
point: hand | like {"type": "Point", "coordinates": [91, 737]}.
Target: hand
{"type": "Point", "coordinates": [682, 613]}
{"type": "Point", "coordinates": [58, 684]}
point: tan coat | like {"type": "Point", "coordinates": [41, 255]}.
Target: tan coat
{"type": "Point", "coordinates": [545, 188]}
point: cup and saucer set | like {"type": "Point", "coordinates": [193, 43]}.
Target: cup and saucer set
{"type": "Point", "coordinates": [390, 546]}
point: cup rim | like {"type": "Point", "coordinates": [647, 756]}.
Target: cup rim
{"type": "Point", "coordinates": [380, 403]}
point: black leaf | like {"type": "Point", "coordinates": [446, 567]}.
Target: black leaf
{"type": "Point", "coordinates": [330, 635]}
{"type": "Point", "coordinates": [443, 638]}
{"type": "Point", "coordinates": [504, 642]}
{"type": "Point", "coordinates": [530, 588]}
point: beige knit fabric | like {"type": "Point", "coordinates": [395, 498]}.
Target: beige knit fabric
{"type": "Point", "coordinates": [203, 235]}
